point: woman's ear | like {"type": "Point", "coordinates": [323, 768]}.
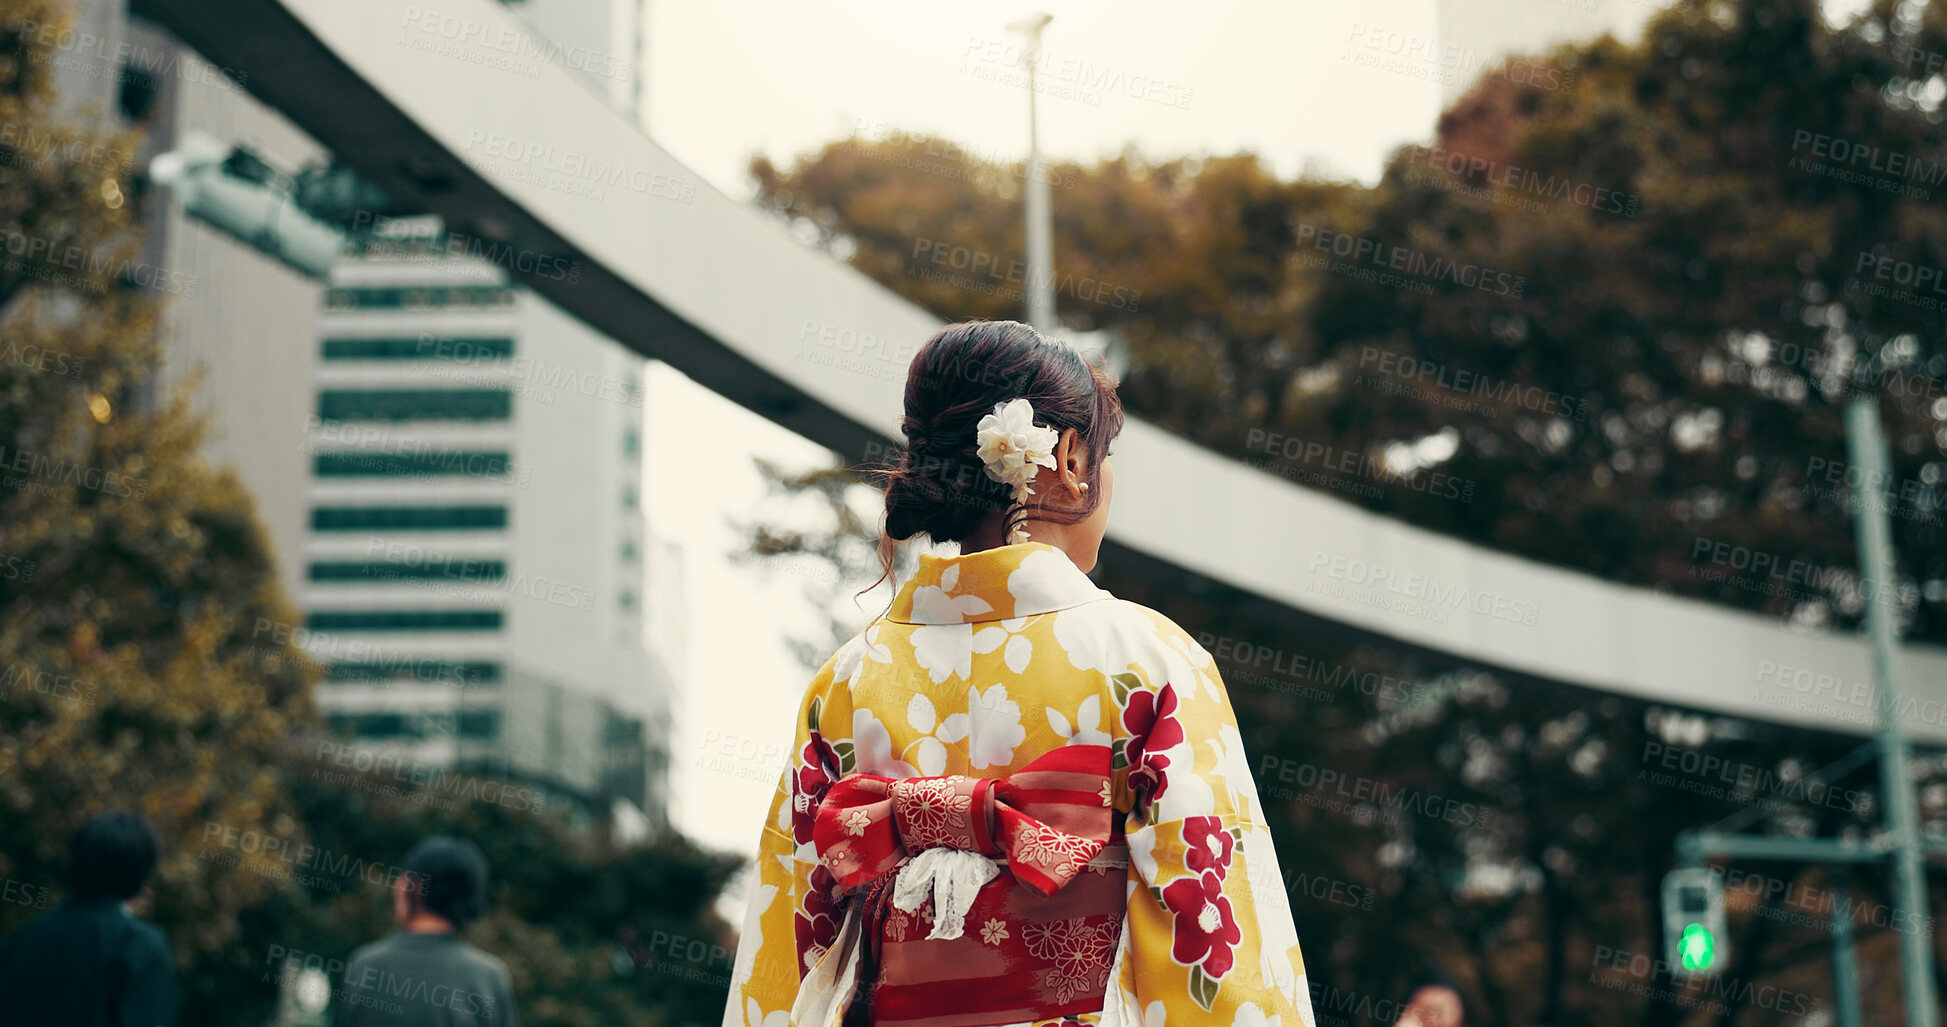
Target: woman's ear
{"type": "Point", "coordinates": [1068, 461]}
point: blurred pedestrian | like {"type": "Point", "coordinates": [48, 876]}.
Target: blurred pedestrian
{"type": "Point", "coordinates": [1431, 1001]}
{"type": "Point", "coordinates": [423, 974]}
{"type": "Point", "coordinates": [89, 961]}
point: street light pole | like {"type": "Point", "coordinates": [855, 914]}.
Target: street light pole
{"type": "Point", "coordinates": [1867, 449]}
{"type": "Point", "coordinates": [1902, 842]}
{"type": "Point", "coordinates": [1040, 228]}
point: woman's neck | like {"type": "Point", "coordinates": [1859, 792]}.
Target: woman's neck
{"type": "Point", "coordinates": [991, 531]}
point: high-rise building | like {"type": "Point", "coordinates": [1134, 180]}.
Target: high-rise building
{"type": "Point", "coordinates": [475, 517]}
{"type": "Point", "coordinates": [448, 467]}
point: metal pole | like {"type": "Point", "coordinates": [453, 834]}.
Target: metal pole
{"type": "Point", "coordinates": [1845, 979]}
{"type": "Point", "coordinates": [1040, 227]}
{"type": "Point", "coordinates": [1868, 452]}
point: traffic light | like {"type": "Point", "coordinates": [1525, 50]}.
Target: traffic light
{"type": "Point", "coordinates": [1695, 942]}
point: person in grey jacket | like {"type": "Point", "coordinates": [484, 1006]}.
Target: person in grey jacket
{"type": "Point", "coordinates": [423, 974]}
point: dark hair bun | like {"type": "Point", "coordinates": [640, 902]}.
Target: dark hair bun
{"type": "Point", "coordinates": [939, 487]}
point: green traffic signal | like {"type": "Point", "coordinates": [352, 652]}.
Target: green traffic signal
{"type": "Point", "coordinates": [1697, 948]}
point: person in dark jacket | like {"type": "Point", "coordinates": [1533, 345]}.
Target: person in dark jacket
{"type": "Point", "coordinates": [423, 974]}
{"type": "Point", "coordinates": [89, 962]}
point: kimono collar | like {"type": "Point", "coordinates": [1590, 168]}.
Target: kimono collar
{"type": "Point", "coordinates": [993, 584]}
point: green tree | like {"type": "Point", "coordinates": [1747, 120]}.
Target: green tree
{"type": "Point", "coordinates": [136, 667]}
{"type": "Point", "coordinates": [144, 661]}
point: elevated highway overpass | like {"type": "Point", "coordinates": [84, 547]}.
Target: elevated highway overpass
{"type": "Point", "coordinates": [456, 110]}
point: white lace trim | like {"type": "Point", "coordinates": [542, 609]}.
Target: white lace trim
{"type": "Point", "coordinates": [952, 877]}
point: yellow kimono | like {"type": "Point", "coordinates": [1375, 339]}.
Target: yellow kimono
{"type": "Point", "coordinates": [986, 665]}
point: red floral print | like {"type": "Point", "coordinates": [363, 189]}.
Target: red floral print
{"type": "Point", "coordinates": [816, 770]}
{"type": "Point", "coordinates": [1203, 927]}
{"type": "Point", "coordinates": [817, 917]}
{"type": "Point", "coordinates": [1206, 845]}
{"type": "Point", "coordinates": [1151, 720]}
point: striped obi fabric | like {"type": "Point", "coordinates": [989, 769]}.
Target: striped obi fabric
{"type": "Point", "coordinates": [971, 901]}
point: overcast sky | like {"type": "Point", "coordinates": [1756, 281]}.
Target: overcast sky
{"type": "Point", "coordinates": [1232, 75]}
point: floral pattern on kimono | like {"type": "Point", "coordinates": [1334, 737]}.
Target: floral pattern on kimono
{"type": "Point", "coordinates": [984, 663]}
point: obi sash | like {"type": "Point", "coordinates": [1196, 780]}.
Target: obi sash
{"type": "Point", "coordinates": [970, 901]}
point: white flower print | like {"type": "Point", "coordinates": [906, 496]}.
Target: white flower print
{"type": "Point", "coordinates": [852, 656]}
{"type": "Point", "coordinates": [995, 729]}
{"type": "Point", "coordinates": [784, 809]}
{"type": "Point", "coordinates": [761, 897]}
{"type": "Point", "coordinates": [754, 1016]}
{"type": "Point", "coordinates": [1189, 794]}
{"type": "Point", "coordinates": [1019, 649]}
{"type": "Point", "coordinates": [1108, 637]}
{"type": "Point", "coordinates": [872, 747]}
{"type": "Point", "coordinates": [930, 749]}
{"type": "Point", "coordinates": [949, 690]}
{"type": "Point", "coordinates": [1235, 768]}
{"type": "Point", "coordinates": [1249, 1015]}
{"type": "Point", "coordinates": [1197, 663]}
{"type": "Point", "coordinates": [1088, 724]}
{"type": "Point", "coordinates": [1277, 935]}
{"type": "Point", "coordinates": [936, 604]}
{"type": "Point", "coordinates": [945, 650]}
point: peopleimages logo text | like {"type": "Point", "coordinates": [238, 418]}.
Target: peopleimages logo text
{"type": "Point", "coordinates": [1853, 154]}
{"type": "Point", "coordinates": [1430, 590]}
{"type": "Point", "coordinates": [1419, 264]}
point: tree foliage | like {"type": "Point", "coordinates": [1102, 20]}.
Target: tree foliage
{"type": "Point", "coordinates": [145, 661]}
{"type": "Point", "coordinates": [1629, 315]}
{"type": "Point", "coordinates": [1626, 314]}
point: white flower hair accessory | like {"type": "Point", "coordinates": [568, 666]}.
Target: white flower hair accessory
{"type": "Point", "coordinates": [1013, 446]}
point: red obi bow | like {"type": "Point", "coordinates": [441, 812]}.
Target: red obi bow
{"type": "Point", "coordinates": [1049, 819]}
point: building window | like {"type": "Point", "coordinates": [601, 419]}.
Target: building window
{"type": "Point", "coordinates": [405, 620]}
{"type": "Point", "coordinates": [462, 672]}
{"type": "Point", "coordinates": [375, 726]}
{"type": "Point", "coordinates": [408, 518]}
{"type": "Point", "coordinates": [630, 443]}
{"type": "Point", "coordinates": [479, 725]}
{"type": "Point", "coordinates": [627, 599]}
{"type": "Point", "coordinates": [473, 725]}
{"type": "Point", "coordinates": [353, 463]}
{"type": "Point", "coordinates": [439, 568]}
{"type": "Point", "coordinates": [137, 94]}
{"type": "Point", "coordinates": [628, 549]}
{"type": "Point", "coordinates": [421, 347]}
{"type": "Point", "coordinates": [418, 298]}
{"type": "Point", "coordinates": [415, 404]}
